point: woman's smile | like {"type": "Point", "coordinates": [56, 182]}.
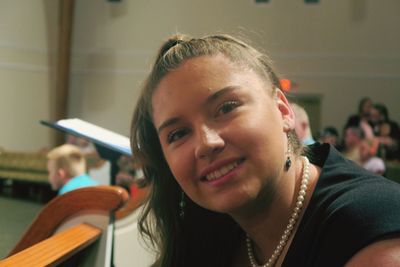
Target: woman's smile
{"type": "Point", "coordinates": [214, 175]}
{"type": "Point", "coordinates": [221, 173]}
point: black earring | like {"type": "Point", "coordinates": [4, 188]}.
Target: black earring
{"type": "Point", "coordinates": [182, 205]}
{"type": "Point", "coordinates": [288, 162]}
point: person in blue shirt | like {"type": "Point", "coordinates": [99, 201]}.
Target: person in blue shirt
{"type": "Point", "coordinates": [66, 165]}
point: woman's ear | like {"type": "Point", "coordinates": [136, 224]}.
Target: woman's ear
{"type": "Point", "coordinates": [285, 110]}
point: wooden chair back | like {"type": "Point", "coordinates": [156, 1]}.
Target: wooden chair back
{"type": "Point", "coordinates": [87, 208]}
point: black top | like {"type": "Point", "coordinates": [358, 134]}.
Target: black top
{"type": "Point", "coordinates": [349, 209]}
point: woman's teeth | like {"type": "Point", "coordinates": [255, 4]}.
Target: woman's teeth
{"type": "Point", "coordinates": [218, 173]}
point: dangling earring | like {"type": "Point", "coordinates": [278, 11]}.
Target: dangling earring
{"type": "Point", "coordinates": [288, 162]}
{"type": "Point", "coordinates": [182, 205]}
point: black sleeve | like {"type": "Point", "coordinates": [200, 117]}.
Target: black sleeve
{"type": "Point", "coordinates": [358, 218]}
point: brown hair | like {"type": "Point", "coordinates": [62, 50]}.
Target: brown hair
{"type": "Point", "coordinates": [201, 232]}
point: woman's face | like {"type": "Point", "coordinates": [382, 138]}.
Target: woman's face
{"type": "Point", "coordinates": [222, 133]}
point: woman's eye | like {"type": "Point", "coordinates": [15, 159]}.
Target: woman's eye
{"type": "Point", "coordinates": [227, 107]}
{"type": "Point", "coordinates": [176, 135]}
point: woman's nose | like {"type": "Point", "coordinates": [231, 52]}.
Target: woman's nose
{"type": "Point", "coordinates": [209, 142]}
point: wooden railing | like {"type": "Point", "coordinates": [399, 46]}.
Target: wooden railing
{"type": "Point", "coordinates": [68, 224]}
{"type": "Point", "coordinates": [56, 249]}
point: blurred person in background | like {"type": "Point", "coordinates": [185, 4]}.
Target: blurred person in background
{"type": "Point", "coordinates": [302, 125]}
{"type": "Point", "coordinates": [67, 169]}
{"type": "Point", "coordinates": [353, 136]}
{"type": "Point", "coordinates": [362, 117]}
{"type": "Point", "coordinates": [358, 149]}
{"type": "Point", "coordinates": [387, 132]}
{"type": "Point", "coordinates": [330, 135]}
{"type": "Point", "coordinates": [370, 162]}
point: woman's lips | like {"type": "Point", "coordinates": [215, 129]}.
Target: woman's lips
{"type": "Point", "coordinates": [215, 175]}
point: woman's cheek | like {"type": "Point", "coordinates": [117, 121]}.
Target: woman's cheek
{"type": "Point", "coordinates": [181, 164]}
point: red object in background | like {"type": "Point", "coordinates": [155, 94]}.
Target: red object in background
{"type": "Point", "coordinates": [286, 85]}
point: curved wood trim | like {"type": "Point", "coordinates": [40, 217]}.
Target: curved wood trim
{"type": "Point", "coordinates": [97, 198]}
{"type": "Point", "coordinates": [56, 249]}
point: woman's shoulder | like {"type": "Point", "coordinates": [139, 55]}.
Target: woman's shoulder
{"type": "Point", "coordinates": [381, 253]}
{"type": "Point", "coordinates": [345, 187]}
{"type": "Point", "coordinates": [350, 209]}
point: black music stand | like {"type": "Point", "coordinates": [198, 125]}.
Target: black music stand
{"type": "Point", "coordinates": [109, 145]}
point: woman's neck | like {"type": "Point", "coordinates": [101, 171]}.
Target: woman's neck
{"type": "Point", "coordinates": [265, 224]}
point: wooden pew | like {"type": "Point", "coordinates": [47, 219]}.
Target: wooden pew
{"type": "Point", "coordinates": [129, 247]}
{"type": "Point", "coordinates": [68, 224]}
{"type": "Point", "coordinates": [56, 249]}
{"type": "Point", "coordinates": [29, 170]}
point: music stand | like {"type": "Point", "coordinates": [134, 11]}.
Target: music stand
{"type": "Point", "coordinates": [109, 145]}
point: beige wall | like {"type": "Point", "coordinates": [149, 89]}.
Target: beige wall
{"type": "Point", "coordinates": [342, 50]}
{"type": "Point", "coordinates": [27, 37]}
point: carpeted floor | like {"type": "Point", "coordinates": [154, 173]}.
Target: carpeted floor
{"type": "Point", "coordinates": [15, 217]}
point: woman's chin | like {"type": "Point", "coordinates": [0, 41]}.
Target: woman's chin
{"type": "Point", "coordinates": [229, 205]}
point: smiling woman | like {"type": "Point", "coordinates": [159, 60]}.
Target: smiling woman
{"type": "Point", "coordinates": [214, 104]}
{"type": "Point", "coordinates": [231, 187]}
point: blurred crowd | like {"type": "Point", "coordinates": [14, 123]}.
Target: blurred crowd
{"type": "Point", "coordinates": [369, 137]}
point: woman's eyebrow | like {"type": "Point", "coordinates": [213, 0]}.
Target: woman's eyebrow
{"type": "Point", "coordinates": [213, 97]}
{"type": "Point", "coordinates": [167, 123]}
{"type": "Point", "coordinates": [221, 92]}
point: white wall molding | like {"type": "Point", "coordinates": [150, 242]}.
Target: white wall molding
{"type": "Point", "coordinates": [147, 55]}
{"type": "Point", "coordinates": [336, 56]}
{"type": "Point", "coordinates": [308, 75]}
{"type": "Point", "coordinates": [316, 75]}
{"type": "Point", "coordinates": [342, 75]}
{"type": "Point", "coordinates": [109, 71]}
{"type": "Point", "coordinates": [17, 51]}
{"type": "Point", "coordinates": [23, 67]}
{"type": "Point", "coordinates": [24, 48]}
{"type": "Point", "coordinates": [152, 53]}
{"type": "Point", "coordinates": [277, 55]}
{"type": "Point", "coordinates": [114, 52]}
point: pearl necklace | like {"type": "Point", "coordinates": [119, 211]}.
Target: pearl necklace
{"type": "Point", "coordinates": [289, 227]}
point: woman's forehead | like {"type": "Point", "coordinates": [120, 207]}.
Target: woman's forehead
{"type": "Point", "coordinates": [197, 83]}
{"type": "Point", "coordinates": [206, 71]}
